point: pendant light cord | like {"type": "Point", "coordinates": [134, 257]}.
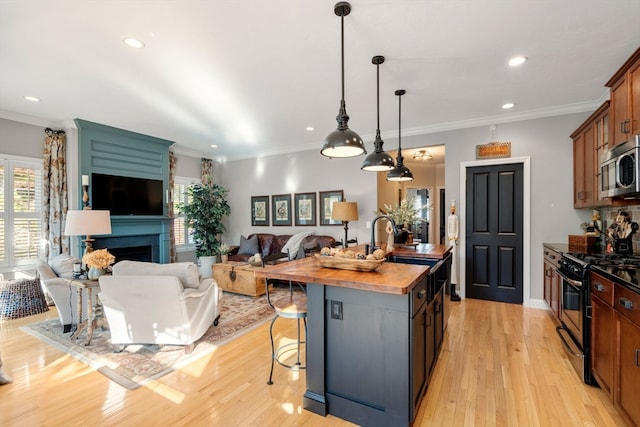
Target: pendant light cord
{"type": "Point", "coordinates": [399, 126]}
{"type": "Point", "coordinates": [342, 51]}
{"type": "Point", "coordinates": [378, 95]}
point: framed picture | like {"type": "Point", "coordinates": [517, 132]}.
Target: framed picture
{"type": "Point", "coordinates": [305, 208]}
{"type": "Point", "coordinates": [327, 199]}
{"type": "Point", "coordinates": [260, 210]}
{"type": "Point", "coordinates": [281, 209]}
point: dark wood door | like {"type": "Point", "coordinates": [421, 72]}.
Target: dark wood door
{"type": "Point", "coordinates": [494, 222]}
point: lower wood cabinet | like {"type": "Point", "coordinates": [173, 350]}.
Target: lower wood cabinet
{"type": "Point", "coordinates": [603, 343]}
{"type": "Point", "coordinates": [628, 395]}
{"type": "Point", "coordinates": [615, 344]}
{"type": "Point", "coordinates": [552, 282]}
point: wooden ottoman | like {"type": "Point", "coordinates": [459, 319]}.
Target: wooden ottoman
{"type": "Point", "coordinates": [238, 277]}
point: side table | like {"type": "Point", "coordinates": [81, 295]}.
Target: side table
{"type": "Point", "coordinates": [95, 318]}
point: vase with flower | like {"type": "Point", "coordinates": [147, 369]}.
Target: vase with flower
{"type": "Point", "coordinates": [223, 250]}
{"type": "Point", "coordinates": [97, 261]}
{"type": "Point", "coordinates": [405, 214]}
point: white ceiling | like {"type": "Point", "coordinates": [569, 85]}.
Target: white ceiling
{"type": "Point", "coordinates": [251, 75]}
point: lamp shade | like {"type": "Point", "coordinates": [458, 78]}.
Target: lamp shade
{"type": "Point", "coordinates": [87, 222]}
{"type": "Point", "coordinates": [344, 211]}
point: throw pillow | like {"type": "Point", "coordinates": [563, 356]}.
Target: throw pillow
{"type": "Point", "coordinates": [63, 265]}
{"type": "Point", "coordinates": [248, 246]}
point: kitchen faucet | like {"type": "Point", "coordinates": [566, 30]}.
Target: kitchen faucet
{"type": "Point", "coordinates": [372, 246]}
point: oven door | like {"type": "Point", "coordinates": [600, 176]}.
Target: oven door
{"type": "Point", "coordinates": [572, 307]}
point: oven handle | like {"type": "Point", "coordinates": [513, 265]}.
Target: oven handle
{"type": "Point", "coordinates": [566, 344]}
{"type": "Point", "coordinates": [572, 282]}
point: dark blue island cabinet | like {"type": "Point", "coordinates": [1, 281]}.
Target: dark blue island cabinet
{"type": "Point", "coordinates": [367, 340]}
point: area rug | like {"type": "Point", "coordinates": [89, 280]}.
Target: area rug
{"type": "Point", "coordinates": [139, 364]}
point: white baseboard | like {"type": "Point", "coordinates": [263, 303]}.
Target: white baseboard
{"type": "Point", "coordinates": [538, 303]}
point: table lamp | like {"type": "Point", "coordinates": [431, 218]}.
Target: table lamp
{"type": "Point", "coordinates": [87, 222]}
{"type": "Point", "coordinates": [345, 212]}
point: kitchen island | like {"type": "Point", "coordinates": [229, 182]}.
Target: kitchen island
{"type": "Point", "coordinates": [367, 339]}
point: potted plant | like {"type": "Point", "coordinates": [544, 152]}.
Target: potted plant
{"type": "Point", "coordinates": [207, 206]}
{"type": "Point", "coordinates": [405, 214]}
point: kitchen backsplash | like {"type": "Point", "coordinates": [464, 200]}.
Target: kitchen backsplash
{"type": "Point", "coordinates": [608, 216]}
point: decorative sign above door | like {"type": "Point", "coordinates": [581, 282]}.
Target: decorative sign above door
{"type": "Point", "coordinates": [493, 150]}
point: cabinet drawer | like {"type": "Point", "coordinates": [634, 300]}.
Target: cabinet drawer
{"type": "Point", "coordinates": [551, 256]}
{"type": "Point", "coordinates": [603, 288]}
{"type": "Point", "coordinates": [419, 296]}
{"type": "Point", "coordinates": [627, 303]}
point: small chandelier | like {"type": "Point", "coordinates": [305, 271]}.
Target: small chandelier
{"type": "Point", "coordinates": [342, 142]}
{"type": "Point", "coordinates": [422, 155]}
{"type": "Point", "coordinates": [400, 172]}
{"type": "Point", "coordinates": [378, 160]}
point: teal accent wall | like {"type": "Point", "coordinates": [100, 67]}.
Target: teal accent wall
{"type": "Point", "coordinates": [112, 151]}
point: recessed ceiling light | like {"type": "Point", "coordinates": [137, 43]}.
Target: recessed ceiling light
{"type": "Point", "coordinates": [214, 146]}
{"type": "Point", "coordinates": [310, 128]}
{"type": "Point", "coordinates": [134, 43]}
{"type": "Point", "coordinates": [32, 98]}
{"type": "Point", "coordinates": [517, 60]}
{"type": "Point", "coordinates": [508, 105]}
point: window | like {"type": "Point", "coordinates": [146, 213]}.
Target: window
{"type": "Point", "coordinates": [183, 238]}
{"type": "Point", "coordinates": [20, 211]}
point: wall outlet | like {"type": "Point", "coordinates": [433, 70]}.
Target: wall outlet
{"type": "Point", "coordinates": [369, 224]}
{"type": "Point", "coordinates": [336, 310]}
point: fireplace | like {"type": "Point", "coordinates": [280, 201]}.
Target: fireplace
{"type": "Point", "coordinates": [133, 248]}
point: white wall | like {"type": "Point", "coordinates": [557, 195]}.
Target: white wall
{"type": "Point", "coordinates": [300, 172]}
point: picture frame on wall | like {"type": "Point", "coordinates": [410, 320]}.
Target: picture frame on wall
{"type": "Point", "coordinates": [281, 209]}
{"type": "Point", "coordinates": [327, 199]}
{"type": "Point", "coordinates": [259, 210]}
{"type": "Point", "coordinates": [305, 209]}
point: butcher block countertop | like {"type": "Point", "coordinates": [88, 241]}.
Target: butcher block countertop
{"type": "Point", "coordinates": [389, 278]}
{"type": "Point", "coordinates": [422, 250]}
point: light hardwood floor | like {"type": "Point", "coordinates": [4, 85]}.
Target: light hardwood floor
{"type": "Point", "coordinates": [501, 365]}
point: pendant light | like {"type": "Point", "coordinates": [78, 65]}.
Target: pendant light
{"type": "Point", "coordinates": [342, 142]}
{"type": "Point", "coordinates": [400, 172]}
{"type": "Point", "coordinates": [378, 160]}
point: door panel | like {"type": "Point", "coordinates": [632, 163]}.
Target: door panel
{"type": "Point", "coordinates": [494, 224]}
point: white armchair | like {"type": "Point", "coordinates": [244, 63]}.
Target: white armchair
{"type": "Point", "coordinates": [148, 303]}
{"type": "Point", "coordinates": [55, 281]}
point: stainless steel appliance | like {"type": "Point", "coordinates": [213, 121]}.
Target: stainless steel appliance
{"type": "Point", "coordinates": [619, 174]}
{"type": "Point", "coordinates": [575, 330]}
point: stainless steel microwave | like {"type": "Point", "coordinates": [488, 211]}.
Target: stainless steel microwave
{"type": "Point", "coordinates": [619, 174]}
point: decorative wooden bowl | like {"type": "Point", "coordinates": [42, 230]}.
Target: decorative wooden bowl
{"type": "Point", "coordinates": [348, 263]}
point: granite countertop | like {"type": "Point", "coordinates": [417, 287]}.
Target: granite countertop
{"type": "Point", "coordinates": [389, 278]}
{"type": "Point", "coordinates": [558, 247]}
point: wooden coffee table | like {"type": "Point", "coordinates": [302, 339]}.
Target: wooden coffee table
{"type": "Point", "coordinates": [95, 318]}
{"type": "Point", "coordinates": [239, 277]}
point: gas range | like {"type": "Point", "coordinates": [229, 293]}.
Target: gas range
{"type": "Point", "coordinates": [605, 260]}
{"type": "Point", "coordinates": [574, 271]}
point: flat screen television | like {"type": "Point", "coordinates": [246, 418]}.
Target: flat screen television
{"type": "Point", "coordinates": [124, 195]}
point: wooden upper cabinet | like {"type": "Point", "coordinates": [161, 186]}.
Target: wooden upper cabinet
{"type": "Point", "coordinates": [625, 101]}
{"type": "Point", "coordinates": [590, 141]}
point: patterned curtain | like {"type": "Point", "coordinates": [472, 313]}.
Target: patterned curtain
{"type": "Point", "coordinates": [207, 171]}
{"type": "Point", "coordinates": [55, 193]}
{"type": "Point", "coordinates": [173, 256]}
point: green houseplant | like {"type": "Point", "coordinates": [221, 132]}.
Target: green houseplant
{"type": "Point", "coordinates": [405, 215]}
{"type": "Point", "coordinates": [204, 211]}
